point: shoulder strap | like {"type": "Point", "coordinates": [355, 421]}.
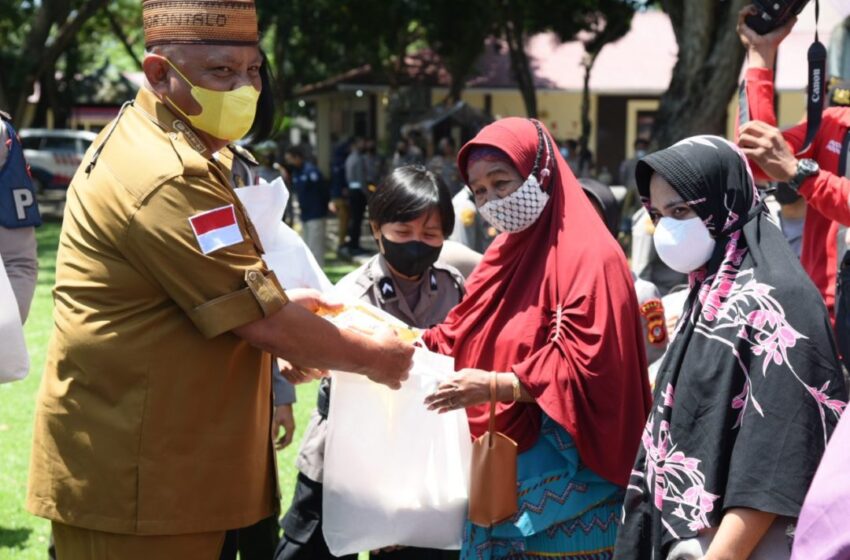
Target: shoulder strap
{"type": "Point", "coordinates": [816, 91]}
{"type": "Point", "coordinates": [492, 423]}
{"type": "Point", "coordinates": [845, 155]}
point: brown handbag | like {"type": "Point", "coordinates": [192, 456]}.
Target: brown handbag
{"type": "Point", "coordinates": [493, 492]}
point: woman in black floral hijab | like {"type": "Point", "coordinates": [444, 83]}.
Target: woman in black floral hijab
{"type": "Point", "coordinates": [750, 388]}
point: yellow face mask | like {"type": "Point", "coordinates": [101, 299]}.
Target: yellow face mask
{"type": "Point", "coordinates": [227, 115]}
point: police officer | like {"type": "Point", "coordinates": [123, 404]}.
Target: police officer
{"type": "Point", "coordinates": [152, 433]}
{"type": "Point", "coordinates": [18, 217]}
{"type": "Point", "coordinates": [410, 216]}
{"type": "Point", "coordinates": [313, 198]}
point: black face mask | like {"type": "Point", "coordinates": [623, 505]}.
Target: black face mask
{"type": "Point", "coordinates": [412, 258]}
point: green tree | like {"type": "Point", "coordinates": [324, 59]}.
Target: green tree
{"type": "Point", "coordinates": [517, 20]}
{"type": "Point", "coordinates": [609, 22]}
{"type": "Point", "coordinates": [457, 42]}
{"type": "Point", "coordinates": [36, 35]}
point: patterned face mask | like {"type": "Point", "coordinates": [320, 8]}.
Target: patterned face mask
{"type": "Point", "coordinates": [517, 211]}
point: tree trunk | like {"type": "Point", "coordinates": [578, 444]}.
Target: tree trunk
{"type": "Point", "coordinates": [455, 90]}
{"type": "Point", "coordinates": [589, 61]}
{"type": "Point", "coordinates": [459, 66]}
{"type": "Point", "coordinates": [521, 67]}
{"type": "Point", "coordinates": [706, 73]}
{"type": "Point", "coordinates": [118, 31]}
{"type": "Point", "coordinates": [4, 100]}
{"type": "Point", "coordinates": [40, 58]}
{"type": "Point", "coordinates": [282, 86]}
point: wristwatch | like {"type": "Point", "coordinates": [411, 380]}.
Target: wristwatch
{"type": "Point", "coordinates": [805, 168]}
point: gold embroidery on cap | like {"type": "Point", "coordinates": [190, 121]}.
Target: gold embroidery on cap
{"type": "Point", "coordinates": [226, 22]}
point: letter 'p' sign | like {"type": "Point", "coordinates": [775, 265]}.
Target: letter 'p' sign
{"type": "Point", "coordinates": [24, 199]}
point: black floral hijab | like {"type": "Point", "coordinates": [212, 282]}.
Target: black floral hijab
{"type": "Point", "coordinates": [750, 388]}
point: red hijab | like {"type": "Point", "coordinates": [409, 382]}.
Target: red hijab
{"type": "Point", "coordinates": [555, 304]}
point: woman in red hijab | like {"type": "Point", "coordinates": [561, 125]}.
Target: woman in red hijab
{"type": "Point", "coordinates": [551, 310]}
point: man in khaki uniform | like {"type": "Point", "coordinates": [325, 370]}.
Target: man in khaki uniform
{"type": "Point", "coordinates": [152, 431]}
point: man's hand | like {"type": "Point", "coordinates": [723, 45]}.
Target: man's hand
{"type": "Point", "coordinates": [298, 375]}
{"type": "Point", "coordinates": [765, 145]}
{"type": "Point", "coordinates": [761, 49]}
{"type": "Point", "coordinates": [396, 359]}
{"type": "Point", "coordinates": [312, 300]}
{"type": "Point", "coordinates": [283, 418]}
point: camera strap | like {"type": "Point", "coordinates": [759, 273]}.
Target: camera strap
{"type": "Point", "coordinates": [816, 91]}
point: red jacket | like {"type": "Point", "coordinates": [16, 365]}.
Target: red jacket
{"type": "Point", "coordinates": [827, 194]}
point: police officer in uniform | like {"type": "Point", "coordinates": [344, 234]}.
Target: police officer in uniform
{"type": "Point", "coordinates": [18, 217]}
{"type": "Point", "coordinates": [152, 432]}
{"type": "Point", "coordinates": [313, 198]}
{"type": "Point", "coordinates": [436, 291]}
{"type": "Point", "coordinates": [410, 216]}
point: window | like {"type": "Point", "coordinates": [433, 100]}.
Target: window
{"type": "Point", "coordinates": [59, 144]}
{"type": "Point", "coordinates": [31, 142]}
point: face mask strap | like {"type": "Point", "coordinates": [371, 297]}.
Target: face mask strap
{"type": "Point", "coordinates": [179, 73]}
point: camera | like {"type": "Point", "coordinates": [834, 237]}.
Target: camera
{"type": "Point", "coordinates": [773, 14]}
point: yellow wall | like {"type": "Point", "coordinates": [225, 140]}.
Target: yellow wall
{"type": "Point", "coordinates": [335, 113]}
{"type": "Point", "coordinates": [558, 110]}
{"type": "Point", "coordinates": [633, 108]}
{"type": "Point", "coordinates": [792, 108]}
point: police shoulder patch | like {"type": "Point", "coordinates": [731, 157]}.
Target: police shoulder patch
{"type": "Point", "coordinates": [386, 288]}
{"type": "Point", "coordinates": [653, 313]}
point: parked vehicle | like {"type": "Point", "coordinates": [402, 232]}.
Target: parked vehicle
{"type": "Point", "coordinates": [53, 156]}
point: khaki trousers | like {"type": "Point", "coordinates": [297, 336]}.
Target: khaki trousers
{"type": "Point", "coordinates": [76, 543]}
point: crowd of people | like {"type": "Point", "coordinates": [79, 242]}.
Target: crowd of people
{"type": "Point", "coordinates": [358, 167]}
{"type": "Point", "coordinates": [710, 431]}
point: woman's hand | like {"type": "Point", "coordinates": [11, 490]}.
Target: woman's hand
{"type": "Point", "coordinates": [469, 387]}
{"type": "Point", "coordinates": [740, 531]}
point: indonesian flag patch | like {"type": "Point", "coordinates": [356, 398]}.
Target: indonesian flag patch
{"type": "Point", "coordinates": [215, 229]}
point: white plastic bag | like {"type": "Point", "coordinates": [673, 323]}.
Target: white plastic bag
{"type": "Point", "coordinates": [395, 472]}
{"type": "Point", "coordinates": [14, 360]}
{"type": "Point", "coordinates": [285, 252]}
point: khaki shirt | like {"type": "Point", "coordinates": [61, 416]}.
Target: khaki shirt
{"type": "Point", "coordinates": [441, 288]}
{"type": "Point", "coordinates": [152, 417]}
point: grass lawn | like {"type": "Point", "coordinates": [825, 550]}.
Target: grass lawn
{"type": "Point", "coordinates": [23, 536]}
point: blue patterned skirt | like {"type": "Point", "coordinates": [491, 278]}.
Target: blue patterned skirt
{"type": "Point", "coordinates": [566, 512]}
